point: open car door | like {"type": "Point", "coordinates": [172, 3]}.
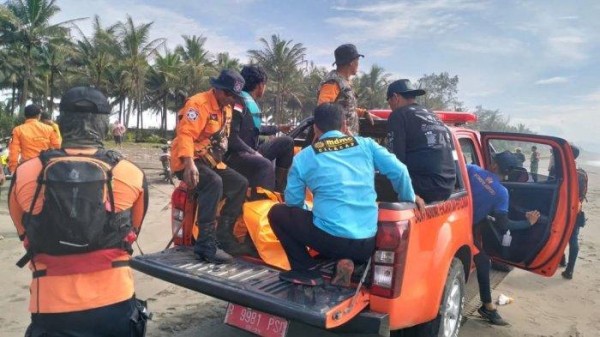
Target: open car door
{"type": "Point", "coordinates": [547, 182]}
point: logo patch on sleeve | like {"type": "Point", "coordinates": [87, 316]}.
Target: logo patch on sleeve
{"type": "Point", "coordinates": [334, 144]}
{"type": "Point", "coordinates": [192, 114]}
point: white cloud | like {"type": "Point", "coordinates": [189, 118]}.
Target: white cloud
{"type": "Point", "coordinates": [486, 45]}
{"type": "Point", "coordinates": [552, 80]}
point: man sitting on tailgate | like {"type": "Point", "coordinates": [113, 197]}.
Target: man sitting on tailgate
{"type": "Point", "coordinates": [339, 171]}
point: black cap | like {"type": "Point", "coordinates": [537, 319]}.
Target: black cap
{"type": "Point", "coordinates": [345, 54]}
{"type": "Point", "coordinates": [32, 110]}
{"type": "Point", "coordinates": [229, 80]}
{"type": "Point", "coordinates": [506, 161]}
{"type": "Point", "coordinates": [404, 87]}
{"type": "Point", "coordinates": [84, 100]}
{"type": "Point", "coordinates": [575, 150]}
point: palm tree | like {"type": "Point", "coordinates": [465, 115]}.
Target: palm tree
{"type": "Point", "coordinates": [97, 54]}
{"type": "Point", "coordinates": [164, 83]}
{"type": "Point", "coordinates": [281, 59]}
{"type": "Point", "coordinates": [27, 23]}
{"type": "Point", "coordinates": [136, 49]}
{"type": "Point", "coordinates": [371, 88]}
{"type": "Point", "coordinates": [224, 61]}
{"type": "Point", "coordinates": [198, 65]}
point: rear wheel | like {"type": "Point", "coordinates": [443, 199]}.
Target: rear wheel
{"type": "Point", "coordinates": [447, 322]}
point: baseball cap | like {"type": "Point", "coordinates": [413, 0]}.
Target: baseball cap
{"type": "Point", "coordinates": [84, 100]}
{"type": "Point", "coordinates": [506, 161]}
{"type": "Point", "coordinates": [345, 54]}
{"type": "Point", "coordinates": [229, 80]}
{"type": "Point", "coordinates": [404, 87]}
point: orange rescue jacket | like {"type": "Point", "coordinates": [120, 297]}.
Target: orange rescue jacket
{"type": "Point", "coordinates": [28, 140]}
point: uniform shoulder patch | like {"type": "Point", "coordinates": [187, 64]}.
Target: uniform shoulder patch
{"type": "Point", "coordinates": [334, 144]}
{"type": "Point", "coordinates": [192, 114]}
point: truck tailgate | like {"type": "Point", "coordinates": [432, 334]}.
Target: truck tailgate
{"type": "Point", "coordinates": [256, 286]}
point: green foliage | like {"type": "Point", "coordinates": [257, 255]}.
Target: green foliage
{"type": "Point", "coordinates": [40, 59]}
{"type": "Point", "coordinates": [7, 123]}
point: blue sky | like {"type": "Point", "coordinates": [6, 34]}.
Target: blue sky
{"type": "Point", "coordinates": [536, 61]}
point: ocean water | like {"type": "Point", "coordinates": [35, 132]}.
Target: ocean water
{"type": "Point", "coordinates": [595, 163]}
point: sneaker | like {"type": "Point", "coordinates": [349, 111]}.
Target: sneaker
{"type": "Point", "coordinates": [343, 273]}
{"type": "Point", "coordinates": [567, 275]}
{"type": "Point", "coordinates": [305, 277]}
{"type": "Point", "coordinates": [491, 315]}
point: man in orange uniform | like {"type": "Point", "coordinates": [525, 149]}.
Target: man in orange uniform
{"type": "Point", "coordinates": [197, 158]}
{"type": "Point", "coordinates": [337, 88]}
{"type": "Point", "coordinates": [46, 118]}
{"type": "Point", "coordinates": [89, 293]}
{"type": "Point", "coordinates": [30, 138]}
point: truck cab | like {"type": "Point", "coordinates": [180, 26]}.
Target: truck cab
{"type": "Point", "coordinates": [416, 276]}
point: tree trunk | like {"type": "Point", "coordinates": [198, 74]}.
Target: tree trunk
{"type": "Point", "coordinates": [12, 99]}
{"type": "Point", "coordinates": [51, 100]}
{"type": "Point", "coordinates": [25, 90]}
{"type": "Point", "coordinates": [163, 118]}
{"type": "Point", "coordinates": [120, 110]}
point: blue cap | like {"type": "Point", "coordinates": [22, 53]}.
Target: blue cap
{"type": "Point", "coordinates": [506, 161]}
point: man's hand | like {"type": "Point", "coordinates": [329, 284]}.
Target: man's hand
{"type": "Point", "coordinates": [364, 113]}
{"type": "Point", "coordinates": [285, 128]}
{"type": "Point", "coordinates": [420, 203]}
{"type": "Point", "coordinates": [532, 216]}
{"type": "Point", "coordinates": [191, 176]}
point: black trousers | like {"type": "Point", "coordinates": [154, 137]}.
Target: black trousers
{"type": "Point", "coordinates": [257, 169]}
{"type": "Point", "coordinates": [280, 149]}
{"type": "Point", "coordinates": [295, 229]}
{"type": "Point", "coordinates": [215, 184]}
{"type": "Point", "coordinates": [109, 321]}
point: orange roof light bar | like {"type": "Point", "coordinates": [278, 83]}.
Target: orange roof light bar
{"type": "Point", "coordinates": [448, 117]}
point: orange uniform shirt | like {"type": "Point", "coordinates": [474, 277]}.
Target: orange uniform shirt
{"type": "Point", "coordinates": [328, 93]}
{"type": "Point", "coordinates": [28, 140]}
{"type": "Point", "coordinates": [75, 292]}
{"type": "Point", "coordinates": [200, 118]}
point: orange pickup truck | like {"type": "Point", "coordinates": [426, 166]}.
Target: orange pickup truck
{"type": "Point", "coordinates": [416, 278]}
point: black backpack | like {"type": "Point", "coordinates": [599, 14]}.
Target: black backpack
{"type": "Point", "coordinates": [78, 214]}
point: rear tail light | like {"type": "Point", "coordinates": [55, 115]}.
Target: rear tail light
{"type": "Point", "coordinates": [389, 258]}
{"type": "Point", "coordinates": [178, 202]}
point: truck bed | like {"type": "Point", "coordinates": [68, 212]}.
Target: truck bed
{"type": "Point", "coordinates": [257, 286]}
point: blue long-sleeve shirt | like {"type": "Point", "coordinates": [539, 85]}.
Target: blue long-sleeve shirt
{"type": "Point", "coordinates": [339, 171]}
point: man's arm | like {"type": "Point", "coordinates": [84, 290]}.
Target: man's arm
{"type": "Point", "coordinates": [387, 164]}
{"type": "Point", "coordinates": [396, 137]}
{"type": "Point", "coordinates": [500, 212]}
{"type": "Point", "coordinates": [14, 150]}
{"type": "Point", "coordinates": [237, 144]}
{"type": "Point", "coordinates": [328, 93]}
{"type": "Point", "coordinates": [140, 206]}
{"type": "Point", "coordinates": [15, 209]}
{"type": "Point", "coordinates": [295, 191]}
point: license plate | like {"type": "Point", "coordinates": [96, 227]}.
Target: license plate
{"type": "Point", "coordinates": [255, 321]}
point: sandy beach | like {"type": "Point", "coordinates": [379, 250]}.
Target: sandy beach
{"type": "Point", "coordinates": [542, 307]}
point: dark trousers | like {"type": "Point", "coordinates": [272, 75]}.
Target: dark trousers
{"type": "Point", "coordinates": [280, 149]}
{"type": "Point", "coordinates": [215, 184]}
{"type": "Point", "coordinates": [483, 265]}
{"type": "Point", "coordinates": [257, 169]}
{"type": "Point", "coordinates": [295, 230]}
{"type": "Point", "coordinates": [573, 249]}
{"type": "Point", "coordinates": [109, 321]}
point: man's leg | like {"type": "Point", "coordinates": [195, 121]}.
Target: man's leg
{"type": "Point", "coordinates": [257, 169]}
{"type": "Point", "coordinates": [209, 190]}
{"type": "Point", "coordinates": [280, 149]}
{"type": "Point", "coordinates": [573, 252]}
{"type": "Point", "coordinates": [487, 310]}
{"type": "Point", "coordinates": [234, 192]}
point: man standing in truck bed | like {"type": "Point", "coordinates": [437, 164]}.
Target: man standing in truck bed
{"type": "Point", "coordinates": [421, 141]}
{"type": "Point", "coordinates": [339, 170]}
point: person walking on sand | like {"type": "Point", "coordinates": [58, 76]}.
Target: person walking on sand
{"type": "Point", "coordinates": [534, 161]}
{"type": "Point", "coordinates": [118, 131]}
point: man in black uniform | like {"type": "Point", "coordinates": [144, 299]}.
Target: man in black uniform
{"type": "Point", "coordinates": [245, 154]}
{"type": "Point", "coordinates": [421, 141]}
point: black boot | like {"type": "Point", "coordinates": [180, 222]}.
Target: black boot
{"type": "Point", "coordinates": [229, 242]}
{"type": "Point", "coordinates": [281, 175]}
{"type": "Point", "coordinates": [206, 247]}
